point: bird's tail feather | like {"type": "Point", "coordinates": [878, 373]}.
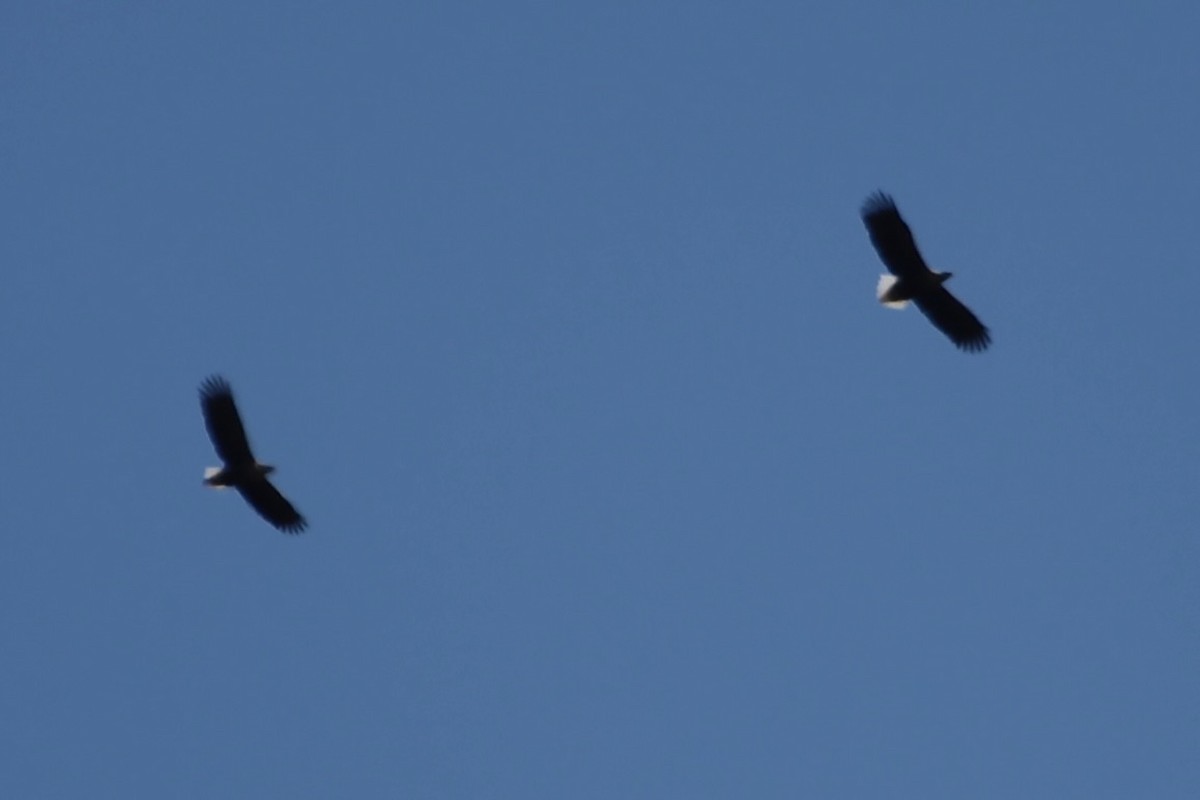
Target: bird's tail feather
{"type": "Point", "coordinates": [211, 472]}
{"type": "Point", "coordinates": [886, 282]}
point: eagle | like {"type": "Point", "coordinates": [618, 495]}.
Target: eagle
{"type": "Point", "coordinates": [911, 278]}
{"type": "Point", "coordinates": [240, 469]}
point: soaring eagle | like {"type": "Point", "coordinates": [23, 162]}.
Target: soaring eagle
{"type": "Point", "coordinates": [912, 280]}
{"type": "Point", "coordinates": [241, 470]}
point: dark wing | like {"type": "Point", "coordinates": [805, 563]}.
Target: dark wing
{"type": "Point", "coordinates": [223, 422]}
{"type": "Point", "coordinates": [954, 319]}
{"type": "Point", "coordinates": [892, 239]}
{"type": "Point", "coordinates": [272, 506]}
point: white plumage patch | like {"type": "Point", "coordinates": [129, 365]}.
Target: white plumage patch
{"type": "Point", "coordinates": [881, 289]}
{"type": "Point", "coordinates": [210, 472]}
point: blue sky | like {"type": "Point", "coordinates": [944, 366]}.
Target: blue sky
{"type": "Point", "coordinates": [559, 322]}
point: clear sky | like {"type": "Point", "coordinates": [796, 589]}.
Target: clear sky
{"type": "Point", "coordinates": [558, 320]}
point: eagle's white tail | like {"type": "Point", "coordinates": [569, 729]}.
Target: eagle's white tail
{"type": "Point", "coordinates": [210, 472]}
{"type": "Point", "coordinates": [881, 289]}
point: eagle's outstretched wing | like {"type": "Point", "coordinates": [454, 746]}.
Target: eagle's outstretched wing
{"type": "Point", "coordinates": [223, 422]}
{"type": "Point", "coordinates": [272, 506]}
{"type": "Point", "coordinates": [892, 237]}
{"type": "Point", "coordinates": [954, 319]}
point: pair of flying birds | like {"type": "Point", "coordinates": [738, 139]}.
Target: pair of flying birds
{"type": "Point", "coordinates": [910, 280]}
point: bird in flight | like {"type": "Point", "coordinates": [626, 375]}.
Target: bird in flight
{"type": "Point", "coordinates": [912, 280]}
{"type": "Point", "coordinates": [240, 470]}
